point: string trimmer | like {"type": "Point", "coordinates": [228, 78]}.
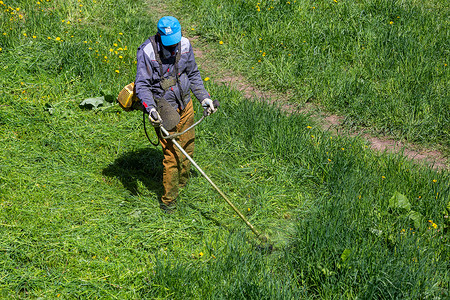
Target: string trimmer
{"type": "Point", "coordinates": [169, 122]}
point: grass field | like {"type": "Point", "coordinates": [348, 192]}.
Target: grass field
{"type": "Point", "coordinates": [381, 63]}
{"type": "Point", "coordinates": [79, 188]}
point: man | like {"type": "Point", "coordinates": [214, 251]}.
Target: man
{"type": "Point", "coordinates": [167, 71]}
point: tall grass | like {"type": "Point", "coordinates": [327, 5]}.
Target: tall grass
{"type": "Point", "coordinates": [79, 189]}
{"type": "Point", "coordinates": [381, 63]}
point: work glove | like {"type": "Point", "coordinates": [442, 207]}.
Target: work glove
{"type": "Point", "coordinates": [208, 107]}
{"type": "Point", "coordinates": [154, 117]}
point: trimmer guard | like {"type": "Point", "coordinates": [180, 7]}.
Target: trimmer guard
{"type": "Point", "coordinates": [169, 115]}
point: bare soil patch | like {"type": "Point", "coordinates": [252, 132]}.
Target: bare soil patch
{"type": "Point", "coordinates": [212, 66]}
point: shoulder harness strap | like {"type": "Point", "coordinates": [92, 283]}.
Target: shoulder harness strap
{"type": "Point", "coordinates": [153, 40]}
{"type": "Point", "coordinates": [155, 50]}
{"type": "Point", "coordinates": [158, 56]}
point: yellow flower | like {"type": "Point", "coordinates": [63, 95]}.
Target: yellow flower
{"type": "Point", "coordinates": [248, 209]}
{"type": "Point", "coordinates": [206, 79]}
{"type": "Point", "coordinates": [342, 149]}
{"type": "Point", "coordinates": [434, 180]}
{"type": "Point", "coordinates": [200, 254]}
{"type": "Point", "coordinates": [329, 160]}
{"type": "Point", "coordinates": [391, 22]}
{"type": "Point", "coordinates": [58, 38]}
{"type": "Point", "coordinates": [192, 28]}
{"type": "Point", "coordinates": [120, 56]}
{"type": "Point", "coordinates": [115, 45]}
{"type": "Point", "coordinates": [49, 38]}
{"type": "Point", "coordinates": [221, 42]}
{"type": "Point", "coordinates": [68, 22]}
{"type": "Point", "coordinates": [434, 225]}
{"type": "Point", "coordinates": [1, 49]}
{"type": "Point", "coordinates": [117, 71]}
{"type": "Point", "coordinates": [383, 177]}
{"type": "Point", "coordinates": [264, 54]}
{"type": "Point", "coordinates": [34, 36]}
{"type": "Point", "coordinates": [24, 34]}
{"type": "Point", "coordinates": [309, 127]}
{"type": "Point", "coordinates": [120, 33]}
{"type": "Point", "coordinates": [111, 50]}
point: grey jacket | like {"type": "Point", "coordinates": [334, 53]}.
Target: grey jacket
{"type": "Point", "coordinates": [148, 77]}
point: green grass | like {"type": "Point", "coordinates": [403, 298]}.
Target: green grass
{"type": "Point", "coordinates": [380, 63]}
{"type": "Point", "coordinates": [79, 189]}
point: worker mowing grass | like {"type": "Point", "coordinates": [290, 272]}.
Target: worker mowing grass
{"type": "Point", "coordinates": [166, 73]}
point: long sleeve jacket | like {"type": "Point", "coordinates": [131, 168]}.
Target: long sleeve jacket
{"type": "Point", "coordinates": [148, 77]}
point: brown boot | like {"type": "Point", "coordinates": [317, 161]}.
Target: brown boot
{"type": "Point", "coordinates": [169, 208]}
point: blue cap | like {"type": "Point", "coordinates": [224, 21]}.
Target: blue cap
{"type": "Point", "coordinates": [170, 30]}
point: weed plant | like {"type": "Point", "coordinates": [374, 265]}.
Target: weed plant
{"type": "Point", "coordinates": [381, 63]}
{"type": "Point", "coordinates": [79, 188]}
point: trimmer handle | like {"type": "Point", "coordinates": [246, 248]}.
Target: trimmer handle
{"type": "Point", "coordinates": [216, 106]}
{"type": "Point", "coordinates": [205, 114]}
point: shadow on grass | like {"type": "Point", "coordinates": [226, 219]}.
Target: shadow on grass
{"type": "Point", "coordinates": [143, 165]}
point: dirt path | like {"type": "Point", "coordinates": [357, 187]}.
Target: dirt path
{"type": "Point", "coordinates": [213, 68]}
{"type": "Point", "coordinates": [216, 69]}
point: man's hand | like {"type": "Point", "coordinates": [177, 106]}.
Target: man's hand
{"type": "Point", "coordinates": [208, 106]}
{"type": "Point", "coordinates": [154, 118]}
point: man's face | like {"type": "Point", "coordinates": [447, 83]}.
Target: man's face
{"type": "Point", "coordinates": [169, 51]}
{"type": "Point", "coordinates": [171, 48]}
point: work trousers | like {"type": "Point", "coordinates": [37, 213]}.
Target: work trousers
{"type": "Point", "coordinates": [176, 166]}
